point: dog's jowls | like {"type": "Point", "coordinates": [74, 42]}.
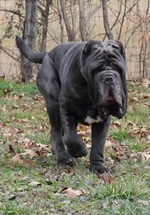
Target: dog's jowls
{"type": "Point", "coordinates": [81, 82]}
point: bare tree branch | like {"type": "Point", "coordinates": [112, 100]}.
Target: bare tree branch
{"type": "Point", "coordinates": [119, 12]}
{"type": "Point", "coordinates": [12, 11]}
{"type": "Point", "coordinates": [8, 53]}
{"type": "Point", "coordinates": [122, 20]}
{"type": "Point", "coordinates": [91, 14]}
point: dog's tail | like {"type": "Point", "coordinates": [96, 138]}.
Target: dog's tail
{"type": "Point", "coordinates": [28, 52]}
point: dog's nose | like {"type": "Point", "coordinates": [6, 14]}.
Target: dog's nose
{"type": "Point", "coordinates": [108, 81]}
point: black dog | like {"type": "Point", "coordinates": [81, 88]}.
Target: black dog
{"type": "Point", "coordinates": [82, 82]}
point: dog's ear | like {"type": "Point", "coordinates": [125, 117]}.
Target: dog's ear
{"type": "Point", "coordinates": [90, 46]}
{"type": "Point", "coordinates": [116, 44]}
{"type": "Point", "coordinates": [122, 49]}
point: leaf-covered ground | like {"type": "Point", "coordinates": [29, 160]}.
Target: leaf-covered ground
{"type": "Point", "coordinates": [32, 183]}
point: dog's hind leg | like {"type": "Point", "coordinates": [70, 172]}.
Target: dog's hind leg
{"type": "Point", "coordinates": [49, 86]}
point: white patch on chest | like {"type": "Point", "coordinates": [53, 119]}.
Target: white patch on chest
{"type": "Point", "coordinates": [90, 120]}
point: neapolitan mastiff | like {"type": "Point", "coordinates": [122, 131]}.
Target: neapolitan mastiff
{"type": "Point", "coordinates": [81, 82]}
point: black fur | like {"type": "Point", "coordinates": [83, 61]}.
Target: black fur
{"type": "Point", "coordinates": [82, 82]}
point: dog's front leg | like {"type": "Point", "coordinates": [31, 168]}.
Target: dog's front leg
{"type": "Point", "coordinates": [99, 134]}
{"type": "Point", "coordinates": [75, 147]}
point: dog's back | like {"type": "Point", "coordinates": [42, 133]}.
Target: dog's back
{"type": "Point", "coordinates": [63, 51]}
{"type": "Point", "coordinates": [56, 54]}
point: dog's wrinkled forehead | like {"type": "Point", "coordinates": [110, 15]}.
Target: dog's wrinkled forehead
{"type": "Point", "coordinates": [108, 46]}
{"type": "Point", "coordinates": [95, 47]}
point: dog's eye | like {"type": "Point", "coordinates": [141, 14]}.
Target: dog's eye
{"type": "Point", "coordinates": [102, 67]}
{"type": "Point", "coordinates": [96, 47]}
{"type": "Point", "coordinates": [115, 46]}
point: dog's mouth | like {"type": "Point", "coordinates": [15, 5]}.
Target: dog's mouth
{"type": "Point", "coordinates": [113, 110]}
{"type": "Point", "coordinates": [110, 97]}
{"type": "Point", "coordinates": [113, 105]}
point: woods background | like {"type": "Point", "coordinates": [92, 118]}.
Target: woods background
{"type": "Point", "coordinates": [57, 21]}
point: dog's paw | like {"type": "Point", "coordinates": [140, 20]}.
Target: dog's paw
{"type": "Point", "coordinates": [99, 169]}
{"type": "Point", "coordinates": [79, 151]}
{"type": "Point", "coordinates": [66, 161]}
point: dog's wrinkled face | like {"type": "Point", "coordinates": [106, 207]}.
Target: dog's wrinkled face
{"type": "Point", "coordinates": [103, 66]}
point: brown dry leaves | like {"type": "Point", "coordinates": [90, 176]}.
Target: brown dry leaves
{"type": "Point", "coordinates": [25, 158]}
{"type": "Point", "coordinates": [106, 178]}
{"type": "Point", "coordinates": [141, 132]}
{"type": "Point", "coordinates": [85, 132]}
{"type": "Point", "coordinates": [15, 129]}
{"type": "Point", "coordinates": [15, 136]}
{"type": "Point", "coordinates": [70, 192]}
{"type": "Point", "coordinates": [141, 156]}
{"type": "Point", "coordinates": [146, 82]}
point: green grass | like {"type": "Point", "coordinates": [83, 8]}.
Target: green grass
{"type": "Point", "coordinates": [10, 86]}
{"type": "Point", "coordinates": [24, 125]}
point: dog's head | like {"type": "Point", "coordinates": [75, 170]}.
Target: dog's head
{"type": "Point", "coordinates": [103, 65]}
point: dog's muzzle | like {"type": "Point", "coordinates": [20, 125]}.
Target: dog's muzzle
{"type": "Point", "coordinates": [109, 94]}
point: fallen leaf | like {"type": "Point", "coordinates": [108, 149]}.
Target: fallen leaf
{"type": "Point", "coordinates": [11, 150]}
{"type": "Point", "coordinates": [43, 127]}
{"type": "Point", "coordinates": [5, 92]}
{"type": "Point", "coordinates": [25, 120]}
{"type": "Point", "coordinates": [142, 132]}
{"type": "Point", "coordinates": [15, 106]}
{"type": "Point", "coordinates": [116, 124]}
{"type": "Point", "coordinates": [135, 99]}
{"type": "Point", "coordinates": [26, 141]}
{"type": "Point", "coordinates": [145, 156]}
{"type": "Point", "coordinates": [17, 159]}
{"type": "Point", "coordinates": [120, 152]}
{"type": "Point", "coordinates": [71, 193]}
{"type": "Point", "coordinates": [36, 98]}
{"type": "Point", "coordinates": [111, 160]}
{"type": "Point", "coordinates": [146, 82]}
{"type": "Point", "coordinates": [106, 177]}
{"type": "Point", "coordinates": [35, 183]}
{"type": "Point", "coordinates": [141, 156]}
{"type": "Point", "coordinates": [4, 109]}
{"type": "Point", "coordinates": [29, 152]}
{"type": "Point", "coordinates": [69, 169]}
{"type": "Point", "coordinates": [144, 202]}
{"type": "Point", "coordinates": [12, 197]}
{"type": "Point", "coordinates": [21, 159]}
{"type": "Point", "coordinates": [108, 144]}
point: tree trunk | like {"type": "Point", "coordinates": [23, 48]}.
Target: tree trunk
{"type": "Point", "coordinates": [60, 22]}
{"type": "Point", "coordinates": [105, 20]}
{"type": "Point", "coordinates": [29, 35]}
{"type": "Point", "coordinates": [82, 23]}
{"type": "Point", "coordinates": [69, 29]}
{"type": "Point", "coordinates": [45, 14]}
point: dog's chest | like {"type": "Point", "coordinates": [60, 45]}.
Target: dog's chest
{"type": "Point", "coordinates": [89, 120]}
{"type": "Point", "coordinates": [91, 115]}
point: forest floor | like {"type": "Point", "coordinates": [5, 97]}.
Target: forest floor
{"type": "Point", "coordinates": [32, 183]}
